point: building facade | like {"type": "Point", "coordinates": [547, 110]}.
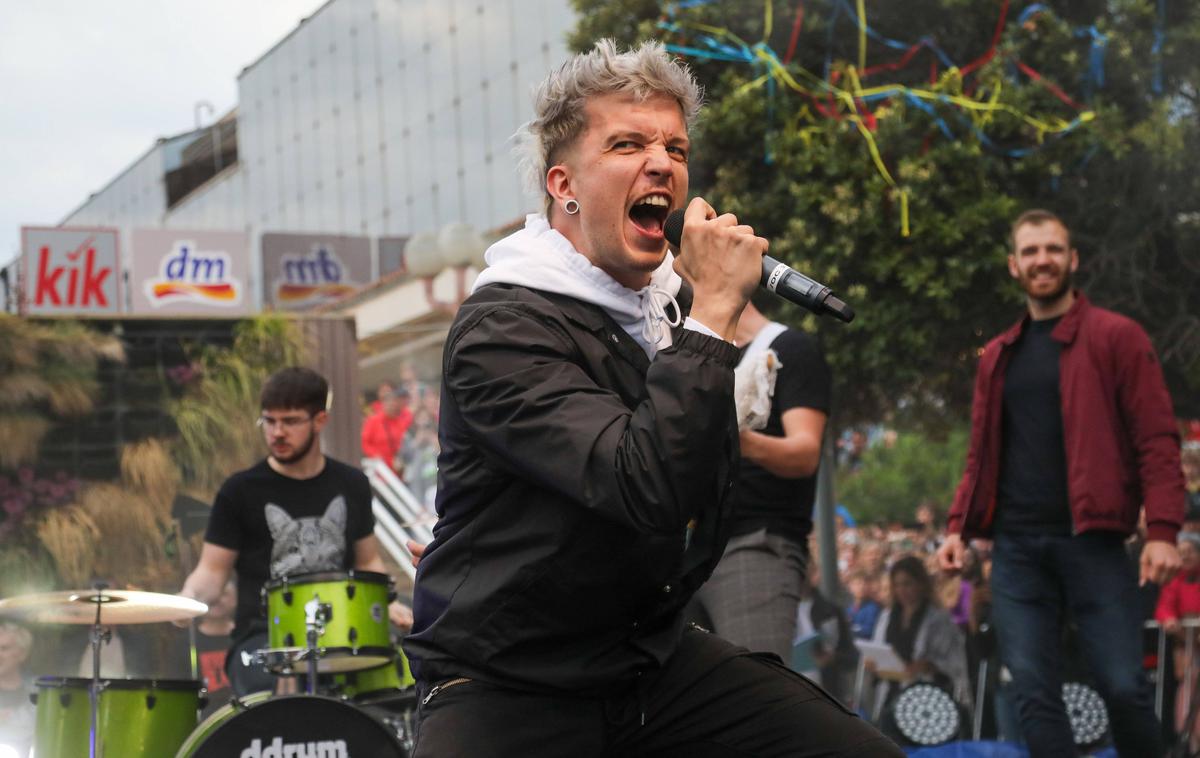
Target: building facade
{"type": "Point", "coordinates": [378, 118]}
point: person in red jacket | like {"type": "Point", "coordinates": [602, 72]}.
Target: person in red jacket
{"type": "Point", "coordinates": [1072, 435]}
{"type": "Point", "coordinates": [1180, 600]}
{"type": "Point", "coordinates": [383, 431]}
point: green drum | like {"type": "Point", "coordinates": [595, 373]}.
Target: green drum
{"type": "Point", "coordinates": [135, 718]}
{"type": "Point", "coordinates": [382, 681]}
{"type": "Point", "coordinates": [356, 633]}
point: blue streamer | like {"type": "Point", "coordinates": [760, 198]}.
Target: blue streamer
{"type": "Point", "coordinates": [925, 106]}
{"type": "Point", "coordinates": [686, 4]}
{"type": "Point", "coordinates": [892, 43]}
{"type": "Point", "coordinates": [1093, 78]}
{"type": "Point", "coordinates": [717, 50]}
{"type": "Point", "coordinates": [937, 120]}
{"type": "Point", "coordinates": [721, 47]}
{"type": "Point", "coordinates": [698, 53]}
{"type": "Point", "coordinates": [1160, 37]}
{"type": "Point", "coordinates": [837, 11]}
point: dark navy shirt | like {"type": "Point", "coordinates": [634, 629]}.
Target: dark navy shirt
{"type": "Point", "coordinates": [1033, 464]}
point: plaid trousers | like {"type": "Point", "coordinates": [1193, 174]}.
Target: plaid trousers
{"type": "Point", "coordinates": [754, 594]}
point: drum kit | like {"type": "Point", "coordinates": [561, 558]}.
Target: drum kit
{"type": "Point", "coordinates": [331, 627]}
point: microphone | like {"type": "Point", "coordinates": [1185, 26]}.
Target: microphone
{"type": "Point", "coordinates": [779, 278]}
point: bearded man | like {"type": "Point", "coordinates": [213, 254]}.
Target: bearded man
{"type": "Point", "coordinates": [1072, 436]}
{"type": "Point", "coordinates": [296, 511]}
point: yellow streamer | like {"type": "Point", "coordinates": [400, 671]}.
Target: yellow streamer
{"type": "Point", "coordinates": [862, 35]}
{"type": "Point", "coordinates": [948, 89]}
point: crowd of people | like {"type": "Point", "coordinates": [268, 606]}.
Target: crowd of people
{"type": "Point", "coordinates": [400, 428]}
{"type": "Point", "coordinates": [892, 590]}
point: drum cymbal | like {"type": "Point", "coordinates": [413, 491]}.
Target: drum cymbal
{"type": "Point", "coordinates": [116, 607]}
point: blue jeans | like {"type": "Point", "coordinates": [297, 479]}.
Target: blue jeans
{"type": "Point", "coordinates": [1035, 578]}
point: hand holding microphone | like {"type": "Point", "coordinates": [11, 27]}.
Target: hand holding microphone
{"type": "Point", "coordinates": [722, 265]}
{"type": "Point", "coordinates": [777, 277]}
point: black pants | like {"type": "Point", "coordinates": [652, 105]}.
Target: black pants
{"type": "Point", "coordinates": [245, 679]}
{"type": "Point", "coordinates": [711, 699]}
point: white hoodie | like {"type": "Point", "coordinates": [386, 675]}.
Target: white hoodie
{"type": "Point", "coordinates": [541, 258]}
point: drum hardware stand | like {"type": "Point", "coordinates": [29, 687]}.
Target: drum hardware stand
{"type": "Point", "coordinates": [193, 651]}
{"type": "Point", "coordinates": [980, 695]}
{"type": "Point", "coordinates": [316, 614]}
{"type": "Point", "coordinates": [97, 635]}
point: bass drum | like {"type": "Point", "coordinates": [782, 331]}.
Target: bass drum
{"type": "Point", "coordinates": [264, 726]}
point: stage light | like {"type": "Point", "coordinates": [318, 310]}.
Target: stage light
{"type": "Point", "coordinates": [926, 715]}
{"type": "Point", "coordinates": [1086, 711]}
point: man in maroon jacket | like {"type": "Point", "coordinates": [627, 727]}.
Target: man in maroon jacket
{"type": "Point", "coordinates": [1072, 434]}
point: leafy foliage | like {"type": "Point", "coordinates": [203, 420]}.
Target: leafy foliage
{"type": "Point", "coordinates": [47, 372]}
{"type": "Point", "coordinates": [928, 301]}
{"type": "Point", "coordinates": [215, 416]}
{"type": "Point", "coordinates": [891, 481]}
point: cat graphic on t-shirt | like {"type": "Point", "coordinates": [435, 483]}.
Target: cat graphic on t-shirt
{"type": "Point", "coordinates": [307, 544]}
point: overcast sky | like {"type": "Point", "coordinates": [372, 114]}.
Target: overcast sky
{"type": "Point", "coordinates": [86, 86]}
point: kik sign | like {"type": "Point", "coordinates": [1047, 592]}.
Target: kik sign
{"type": "Point", "coordinates": [70, 271]}
{"type": "Point", "coordinates": [307, 270]}
{"type": "Point", "coordinates": [189, 272]}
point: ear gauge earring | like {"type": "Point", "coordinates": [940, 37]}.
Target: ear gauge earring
{"type": "Point", "coordinates": [571, 206]}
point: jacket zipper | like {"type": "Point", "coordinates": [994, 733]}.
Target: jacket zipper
{"type": "Point", "coordinates": [443, 686]}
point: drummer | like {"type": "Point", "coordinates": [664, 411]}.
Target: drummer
{"type": "Point", "coordinates": [297, 511]}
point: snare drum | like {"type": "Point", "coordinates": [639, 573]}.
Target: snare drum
{"type": "Point", "coordinates": [267, 725]}
{"type": "Point", "coordinates": [135, 718]}
{"type": "Point", "coordinates": [356, 633]}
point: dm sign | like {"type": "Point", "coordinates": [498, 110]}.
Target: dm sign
{"type": "Point", "coordinates": [189, 272]}
{"type": "Point", "coordinates": [306, 270]}
{"type": "Point", "coordinates": [71, 271]}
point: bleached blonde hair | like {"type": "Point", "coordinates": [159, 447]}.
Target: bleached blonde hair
{"type": "Point", "coordinates": [558, 102]}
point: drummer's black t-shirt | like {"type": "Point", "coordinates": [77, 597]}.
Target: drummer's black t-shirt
{"type": "Point", "coordinates": [282, 526]}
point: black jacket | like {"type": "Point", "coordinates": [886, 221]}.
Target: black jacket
{"type": "Point", "coordinates": [571, 467]}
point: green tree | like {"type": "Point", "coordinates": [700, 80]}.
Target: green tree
{"type": "Point", "coordinates": [892, 480]}
{"type": "Point", "coordinates": [927, 301]}
{"type": "Point", "coordinates": [216, 436]}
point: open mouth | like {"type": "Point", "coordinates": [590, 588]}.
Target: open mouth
{"type": "Point", "coordinates": [649, 213]}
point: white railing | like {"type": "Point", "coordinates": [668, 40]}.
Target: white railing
{"type": "Point", "coordinates": [1190, 625]}
{"type": "Point", "coordinates": [399, 516]}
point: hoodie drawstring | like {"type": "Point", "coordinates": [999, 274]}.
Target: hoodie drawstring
{"type": "Point", "coordinates": [654, 313]}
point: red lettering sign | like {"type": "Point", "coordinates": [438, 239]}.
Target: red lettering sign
{"type": "Point", "coordinates": [92, 292]}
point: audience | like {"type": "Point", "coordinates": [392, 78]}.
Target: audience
{"type": "Point", "coordinates": [921, 632]}
{"type": "Point", "coordinates": [863, 610]}
{"type": "Point", "coordinates": [1179, 601]}
{"type": "Point", "coordinates": [383, 431]}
